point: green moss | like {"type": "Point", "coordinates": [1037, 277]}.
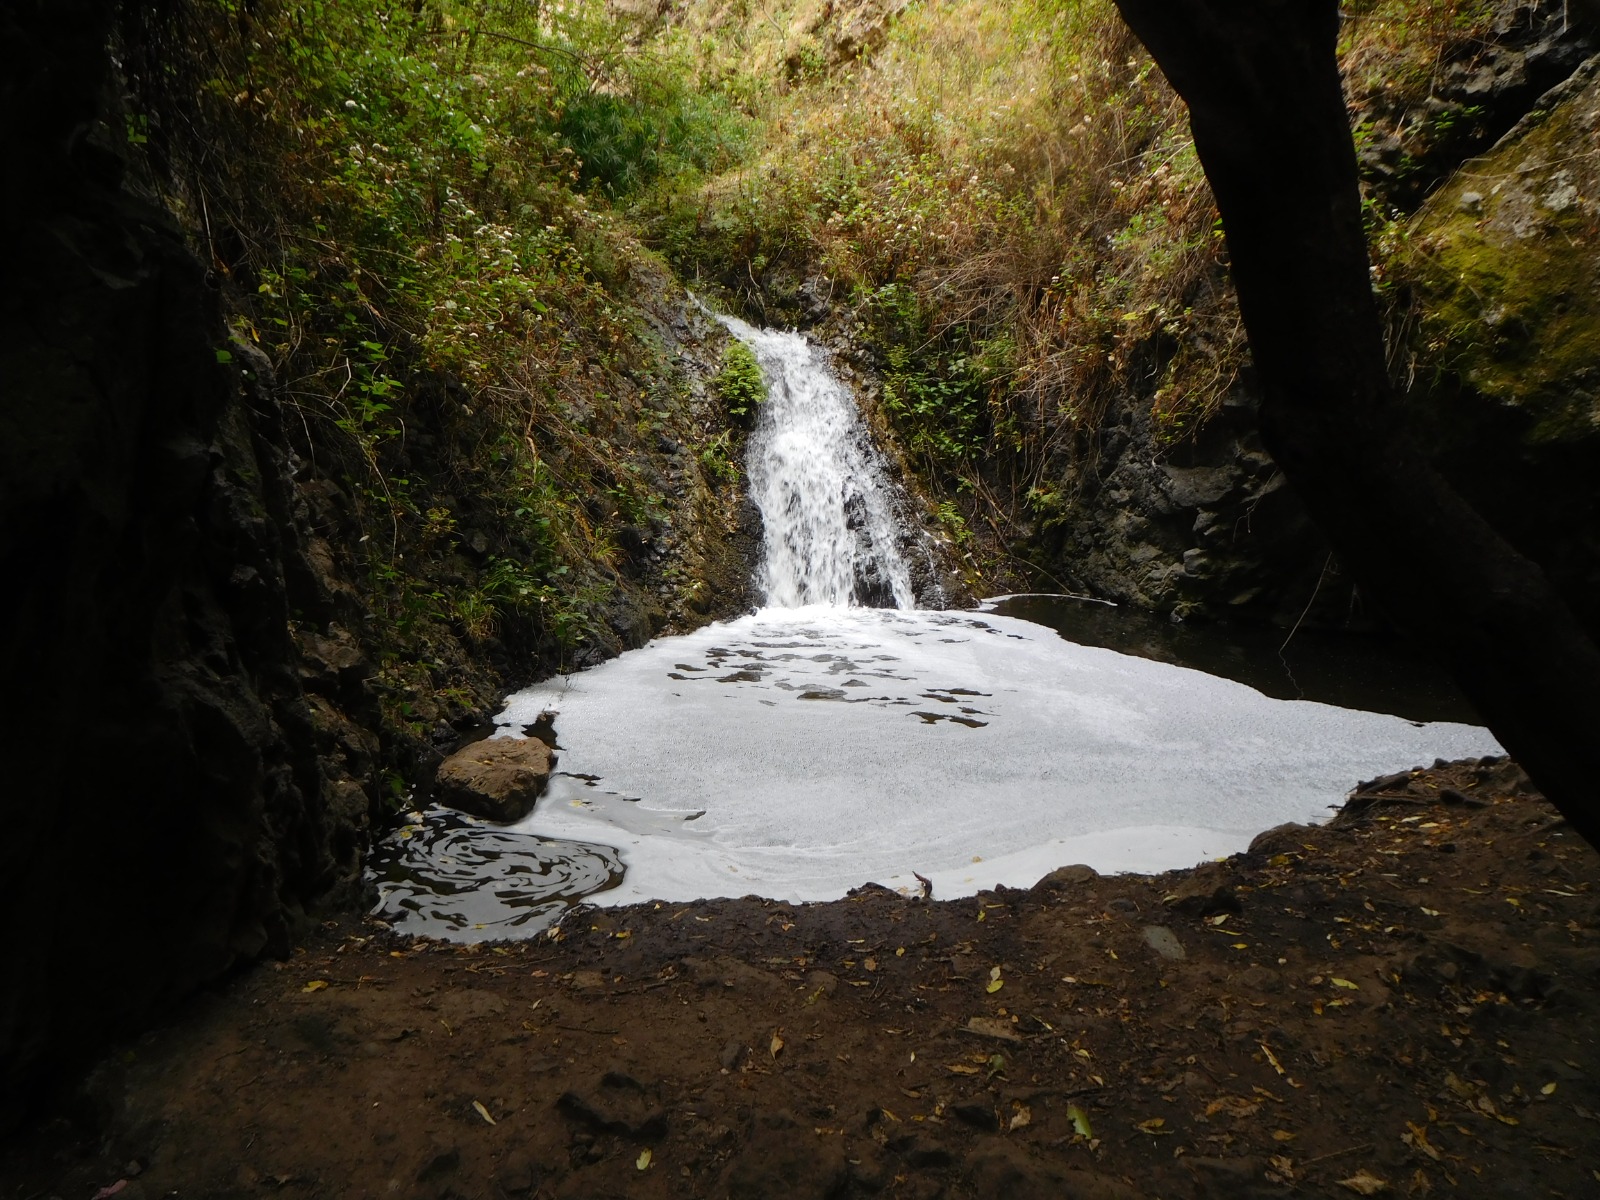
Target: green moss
{"type": "Point", "coordinates": [1503, 262]}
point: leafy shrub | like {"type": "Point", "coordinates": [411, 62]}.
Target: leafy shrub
{"type": "Point", "coordinates": [739, 383]}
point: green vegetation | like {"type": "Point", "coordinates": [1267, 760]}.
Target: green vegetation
{"type": "Point", "coordinates": [411, 210]}
{"type": "Point", "coordinates": [1503, 268]}
{"type": "Point", "coordinates": [439, 222]}
{"type": "Point", "coordinates": [739, 383]}
{"type": "Point", "coordinates": [1007, 196]}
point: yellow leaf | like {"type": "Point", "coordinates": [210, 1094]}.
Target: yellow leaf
{"type": "Point", "coordinates": [1152, 1126]}
{"type": "Point", "coordinates": [776, 1047]}
{"type": "Point", "coordinates": [1418, 1138]}
{"type": "Point", "coordinates": [900, 953]}
{"type": "Point", "coordinates": [316, 985]}
{"type": "Point", "coordinates": [1365, 1183]}
{"type": "Point", "coordinates": [981, 914]}
{"type": "Point", "coordinates": [1345, 983]}
{"type": "Point", "coordinates": [1548, 1089]}
{"type": "Point", "coordinates": [994, 985]}
{"type": "Point", "coordinates": [1282, 1135]}
{"type": "Point", "coordinates": [483, 1112]}
{"type": "Point", "coordinates": [1271, 1057]}
{"type": "Point", "coordinates": [961, 1069]}
{"type": "Point", "coordinates": [643, 1161]}
{"type": "Point", "coordinates": [1080, 1121]}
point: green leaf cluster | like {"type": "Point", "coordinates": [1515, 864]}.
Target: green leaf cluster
{"type": "Point", "coordinates": [739, 383]}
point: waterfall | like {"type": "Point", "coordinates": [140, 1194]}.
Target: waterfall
{"type": "Point", "coordinates": [826, 504]}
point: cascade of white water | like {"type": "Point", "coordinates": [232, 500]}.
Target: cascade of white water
{"type": "Point", "coordinates": [826, 504]}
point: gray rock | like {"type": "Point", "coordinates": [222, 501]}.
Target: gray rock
{"type": "Point", "coordinates": [499, 779]}
{"type": "Point", "coordinates": [1164, 942]}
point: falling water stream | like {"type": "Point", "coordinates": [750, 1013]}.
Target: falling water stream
{"type": "Point", "coordinates": [839, 735]}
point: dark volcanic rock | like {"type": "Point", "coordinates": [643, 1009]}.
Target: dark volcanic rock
{"type": "Point", "coordinates": [153, 567]}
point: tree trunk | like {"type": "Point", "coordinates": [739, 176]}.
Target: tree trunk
{"type": "Point", "coordinates": [1267, 110]}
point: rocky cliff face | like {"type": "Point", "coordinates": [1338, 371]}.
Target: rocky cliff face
{"type": "Point", "coordinates": [1507, 261]}
{"type": "Point", "coordinates": [168, 791]}
{"type": "Point", "coordinates": [210, 731]}
{"type": "Point", "coordinates": [1493, 288]}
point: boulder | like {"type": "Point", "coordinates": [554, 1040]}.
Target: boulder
{"type": "Point", "coordinates": [499, 779]}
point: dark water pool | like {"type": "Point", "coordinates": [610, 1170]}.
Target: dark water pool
{"type": "Point", "coordinates": [1360, 671]}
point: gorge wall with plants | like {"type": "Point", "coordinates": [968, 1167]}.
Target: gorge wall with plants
{"type": "Point", "coordinates": [996, 215]}
{"type": "Point", "coordinates": [350, 378]}
{"type": "Point", "coordinates": [337, 403]}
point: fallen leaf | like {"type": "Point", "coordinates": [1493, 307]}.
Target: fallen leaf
{"type": "Point", "coordinates": [643, 1161]}
{"type": "Point", "coordinates": [1417, 1138]}
{"type": "Point", "coordinates": [1020, 1119]}
{"type": "Point", "coordinates": [1271, 1057]}
{"type": "Point", "coordinates": [1080, 1121]}
{"type": "Point", "coordinates": [1282, 1135]}
{"type": "Point", "coordinates": [776, 1047]}
{"type": "Point", "coordinates": [1234, 1106]}
{"type": "Point", "coordinates": [1365, 1183]}
{"type": "Point", "coordinates": [316, 985]}
{"type": "Point", "coordinates": [1153, 1126]}
{"type": "Point", "coordinates": [994, 972]}
{"type": "Point", "coordinates": [994, 985]}
{"type": "Point", "coordinates": [992, 1027]}
{"type": "Point", "coordinates": [870, 964]}
{"type": "Point", "coordinates": [1548, 1089]}
{"type": "Point", "coordinates": [483, 1112]}
{"type": "Point", "coordinates": [1345, 983]}
{"type": "Point", "coordinates": [960, 1069]}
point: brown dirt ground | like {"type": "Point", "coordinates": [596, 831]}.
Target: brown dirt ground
{"type": "Point", "coordinates": [1401, 1002]}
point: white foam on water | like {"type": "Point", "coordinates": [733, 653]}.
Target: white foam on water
{"type": "Point", "coordinates": [827, 747]}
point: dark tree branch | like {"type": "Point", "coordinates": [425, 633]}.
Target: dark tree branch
{"type": "Point", "coordinates": [1270, 125]}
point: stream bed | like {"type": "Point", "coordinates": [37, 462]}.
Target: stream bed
{"type": "Point", "coordinates": [798, 753]}
{"type": "Point", "coordinates": [841, 735]}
